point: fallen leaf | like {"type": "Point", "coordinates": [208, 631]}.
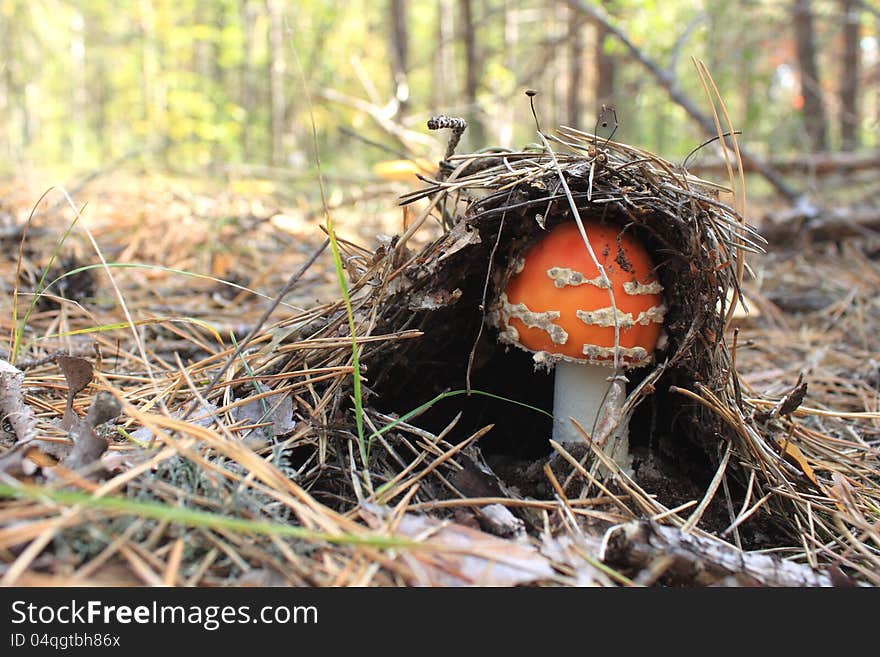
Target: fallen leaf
{"type": "Point", "coordinates": [78, 373]}
{"type": "Point", "coordinates": [40, 458]}
{"type": "Point", "coordinates": [275, 409]}
{"type": "Point", "coordinates": [794, 455]}
{"type": "Point", "coordinates": [104, 408]}
{"type": "Point", "coordinates": [88, 445]}
{"type": "Point", "coordinates": [842, 493]}
{"type": "Point", "coordinates": [202, 417]}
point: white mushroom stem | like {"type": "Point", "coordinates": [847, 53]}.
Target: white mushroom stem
{"type": "Point", "coordinates": [580, 391]}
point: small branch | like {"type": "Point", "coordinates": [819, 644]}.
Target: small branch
{"type": "Point", "coordinates": [669, 84]}
{"type": "Point", "coordinates": [821, 224]}
{"type": "Point", "coordinates": [291, 282]}
{"type": "Point", "coordinates": [383, 117]}
{"type": "Point", "coordinates": [815, 164]}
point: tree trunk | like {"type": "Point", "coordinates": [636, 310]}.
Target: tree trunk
{"type": "Point", "coordinates": [247, 90]}
{"type": "Point", "coordinates": [604, 68]}
{"type": "Point", "coordinates": [813, 108]}
{"type": "Point", "coordinates": [849, 75]}
{"type": "Point", "coordinates": [79, 80]}
{"type": "Point", "coordinates": [201, 50]}
{"type": "Point", "coordinates": [443, 71]}
{"type": "Point", "coordinates": [7, 152]}
{"type": "Point", "coordinates": [874, 77]}
{"type": "Point", "coordinates": [98, 95]}
{"type": "Point", "coordinates": [675, 93]}
{"type": "Point", "coordinates": [277, 67]}
{"type": "Point", "coordinates": [154, 17]}
{"type": "Point", "coordinates": [476, 133]}
{"type": "Point", "coordinates": [15, 46]}
{"type": "Point", "coordinates": [399, 54]}
{"type": "Point", "coordinates": [575, 72]}
{"type": "Point", "coordinates": [507, 114]}
{"type": "Point", "coordinates": [219, 84]}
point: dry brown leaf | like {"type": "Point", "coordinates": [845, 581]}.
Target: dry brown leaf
{"type": "Point", "coordinates": [203, 416]}
{"type": "Point", "coordinates": [276, 410]}
{"type": "Point", "coordinates": [793, 454]}
{"type": "Point", "coordinates": [78, 373]}
{"type": "Point", "coordinates": [40, 458]}
{"type": "Point", "coordinates": [842, 493]}
{"type": "Point", "coordinates": [88, 445]}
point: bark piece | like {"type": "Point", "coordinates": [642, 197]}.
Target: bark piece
{"type": "Point", "coordinates": [700, 561]}
{"type": "Point", "coordinates": [12, 407]}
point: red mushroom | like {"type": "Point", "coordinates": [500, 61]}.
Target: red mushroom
{"type": "Point", "coordinates": [558, 305]}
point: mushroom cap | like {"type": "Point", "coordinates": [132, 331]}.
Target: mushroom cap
{"type": "Point", "coordinates": [557, 305]}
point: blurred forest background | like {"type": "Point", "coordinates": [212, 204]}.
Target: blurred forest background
{"type": "Point", "coordinates": [182, 136]}
{"type": "Point", "coordinates": [214, 86]}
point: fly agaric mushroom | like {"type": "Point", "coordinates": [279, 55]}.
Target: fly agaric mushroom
{"type": "Point", "coordinates": [558, 306]}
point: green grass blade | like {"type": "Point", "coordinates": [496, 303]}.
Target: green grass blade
{"type": "Point", "coordinates": [138, 322]}
{"type": "Point", "coordinates": [355, 354]}
{"type": "Point", "coordinates": [19, 327]}
{"type": "Point", "coordinates": [340, 275]}
{"type": "Point", "coordinates": [195, 518]}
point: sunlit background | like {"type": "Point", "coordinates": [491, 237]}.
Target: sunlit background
{"type": "Point", "coordinates": [162, 202]}
{"type": "Point", "coordinates": [212, 86]}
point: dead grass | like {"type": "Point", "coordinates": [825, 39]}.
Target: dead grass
{"type": "Point", "coordinates": [221, 486]}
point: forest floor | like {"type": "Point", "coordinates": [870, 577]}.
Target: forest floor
{"type": "Point", "coordinates": [210, 256]}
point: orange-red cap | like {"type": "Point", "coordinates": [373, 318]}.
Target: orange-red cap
{"type": "Point", "coordinates": [559, 304]}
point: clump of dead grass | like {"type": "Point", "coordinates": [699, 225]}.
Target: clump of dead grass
{"type": "Point", "coordinates": [196, 491]}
